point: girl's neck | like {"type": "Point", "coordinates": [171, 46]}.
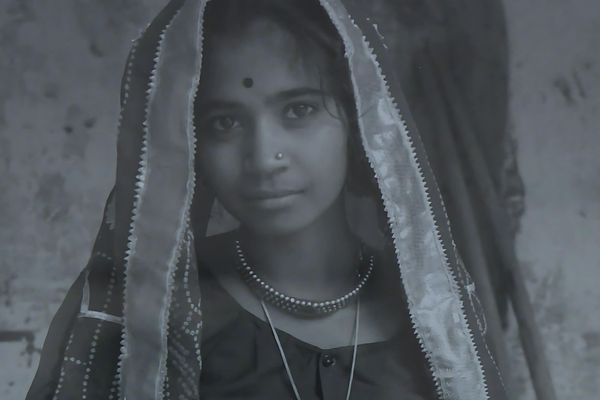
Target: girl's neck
{"type": "Point", "coordinates": [316, 262]}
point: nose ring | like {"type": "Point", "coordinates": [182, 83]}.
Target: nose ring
{"type": "Point", "coordinates": [279, 156]}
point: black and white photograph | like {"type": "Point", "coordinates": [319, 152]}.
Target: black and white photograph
{"type": "Point", "coordinates": [299, 199]}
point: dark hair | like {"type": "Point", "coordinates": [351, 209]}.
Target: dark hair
{"type": "Point", "coordinates": [312, 29]}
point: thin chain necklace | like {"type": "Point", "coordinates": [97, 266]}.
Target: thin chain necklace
{"type": "Point", "coordinates": [303, 307]}
{"type": "Point", "coordinates": [284, 359]}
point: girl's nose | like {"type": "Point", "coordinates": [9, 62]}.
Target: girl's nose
{"type": "Point", "coordinates": [265, 154]}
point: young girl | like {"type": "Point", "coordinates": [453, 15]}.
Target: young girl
{"type": "Point", "coordinates": [274, 231]}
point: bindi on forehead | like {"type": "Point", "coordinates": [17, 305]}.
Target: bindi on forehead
{"type": "Point", "coordinates": [247, 83]}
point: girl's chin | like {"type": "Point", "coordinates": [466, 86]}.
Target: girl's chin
{"type": "Point", "coordinates": [280, 225]}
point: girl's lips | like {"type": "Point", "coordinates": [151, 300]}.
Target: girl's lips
{"type": "Point", "coordinates": [259, 195]}
{"type": "Point", "coordinates": [273, 199]}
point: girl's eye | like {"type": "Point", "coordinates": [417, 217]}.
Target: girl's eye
{"type": "Point", "coordinates": [223, 124]}
{"type": "Point", "coordinates": [298, 111]}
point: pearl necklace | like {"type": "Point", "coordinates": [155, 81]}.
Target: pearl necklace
{"type": "Point", "coordinates": [304, 307]}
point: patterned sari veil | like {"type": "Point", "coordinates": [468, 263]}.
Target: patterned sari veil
{"type": "Point", "coordinates": [131, 325]}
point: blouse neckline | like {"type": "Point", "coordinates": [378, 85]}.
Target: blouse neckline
{"type": "Point", "coordinates": [234, 304]}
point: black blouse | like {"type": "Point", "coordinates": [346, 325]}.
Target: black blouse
{"type": "Point", "coordinates": [241, 361]}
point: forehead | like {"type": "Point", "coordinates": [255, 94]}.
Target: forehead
{"type": "Point", "coordinates": [268, 54]}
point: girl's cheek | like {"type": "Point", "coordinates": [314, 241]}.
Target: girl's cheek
{"type": "Point", "coordinates": [223, 165]}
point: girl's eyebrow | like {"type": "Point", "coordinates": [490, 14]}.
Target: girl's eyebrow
{"type": "Point", "coordinates": [216, 104]}
{"type": "Point", "coordinates": [219, 104]}
{"type": "Point", "coordinates": [295, 92]}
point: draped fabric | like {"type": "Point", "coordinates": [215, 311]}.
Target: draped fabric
{"type": "Point", "coordinates": [132, 323]}
{"type": "Point", "coordinates": [451, 58]}
{"type": "Point", "coordinates": [453, 67]}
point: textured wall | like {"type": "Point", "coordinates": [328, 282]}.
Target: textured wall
{"type": "Point", "coordinates": [555, 85]}
{"type": "Point", "coordinates": [59, 89]}
{"type": "Point", "coordinates": [60, 71]}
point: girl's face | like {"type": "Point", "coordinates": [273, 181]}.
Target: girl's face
{"type": "Point", "coordinates": [272, 144]}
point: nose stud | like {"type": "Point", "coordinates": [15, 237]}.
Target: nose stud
{"type": "Point", "coordinates": [279, 156]}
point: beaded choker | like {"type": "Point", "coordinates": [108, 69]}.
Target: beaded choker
{"type": "Point", "coordinates": [304, 307]}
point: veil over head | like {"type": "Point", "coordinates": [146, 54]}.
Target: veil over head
{"type": "Point", "coordinates": [133, 325]}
